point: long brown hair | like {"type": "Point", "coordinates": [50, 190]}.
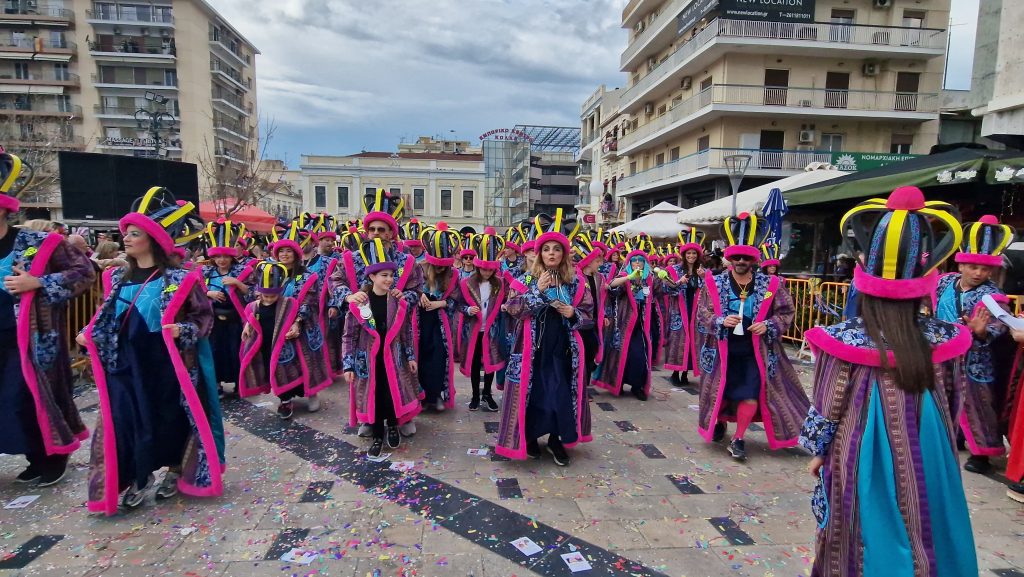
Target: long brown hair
{"type": "Point", "coordinates": [696, 264]}
{"type": "Point", "coordinates": [912, 368]}
{"type": "Point", "coordinates": [495, 279]}
{"type": "Point", "coordinates": [438, 277]}
{"type": "Point", "coordinates": [566, 270]}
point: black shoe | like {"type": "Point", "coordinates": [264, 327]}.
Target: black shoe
{"type": "Point", "coordinates": [719, 433]}
{"type": "Point", "coordinates": [639, 393]}
{"type": "Point", "coordinates": [55, 471]}
{"type": "Point", "coordinates": [30, 475]}
{"type": "Point", "coordinates": [961, 444]}
{"type": "Point", "coordinates": [394, 437]}
{"type": "Point", "coordinates": [376, 449]}
{"type": "Point", "coordinates": [533, 449]}
{"type": "Point", "coordinates": [738, 449]}
{"type": "Point", "coordinates": [474, 405]}
{"type": "Point", "coordinates": [684, 380]}
{"type": "Point", "coordinates": [285, 411]}
{"type": "Point", "coordinates": [1016, 492]}
{"type": "Point", "coordinates": [675, 378]}
{"type": "Point", "coordinates": [559, 453]}
{"type": "Point", "coordinates": [978, 464]}
{"type": "Point", "coordinates": [489, 405]}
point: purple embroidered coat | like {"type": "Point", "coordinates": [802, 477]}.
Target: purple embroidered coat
{"type": "Point", "coordinates": [468, 328]}
{"type": "Point", "coordinates": [287, 366]}
{"type": "Point", "coordinates": [627, 314]}
{"type": "Point", "coordinates": [783, 403]}
{"type": "Point", "coordinates": [680, 349]}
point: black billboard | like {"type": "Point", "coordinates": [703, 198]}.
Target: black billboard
{"type": "Point", "coordinates": [762, 10]}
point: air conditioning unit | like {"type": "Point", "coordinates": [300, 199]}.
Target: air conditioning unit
{"type": "Point", "coordinates": [871, 69]}
{"type": "Point", "coordinates": [806, 136]}
{"type": "Point", "coordinates": [806, 103]}
{"type": "Point", "coordinates": [686, 83]}
{"type": "Point", "coordinates": [883, 3]}
{"type": "Point", "coordinates": [649, 108]}
{"type": "Point", "coordinates": [32, 4]}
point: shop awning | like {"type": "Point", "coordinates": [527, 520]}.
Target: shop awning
{"type": "Point", "coordinates": [752, 200]}
{"type": "Point", "coordinates": [254, 218]}
{"type": "Point", "coordinates": [958, 166]}
{"type": "Point", "coordinates": [658, 222]}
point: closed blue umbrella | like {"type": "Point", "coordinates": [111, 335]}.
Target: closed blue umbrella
{"type": "Point", "coordinates": [774, 211]}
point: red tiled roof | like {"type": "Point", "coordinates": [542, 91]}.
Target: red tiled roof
{"type": "Point", "coordinates": [421, 156]}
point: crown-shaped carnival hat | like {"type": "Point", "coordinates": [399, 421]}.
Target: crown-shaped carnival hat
{"type": "Point", "coordinates": [692, 239]}
{"type": "Point", "coordinates": [270, 277]}
{"type": "Point", "coordinates": [167, 221]}
{"type": "Point", "coordinates": [585, 250]}
{"type": "Point", "coordinates": [410, 233]}
{"type": "Point", "coordinates": [487, 246]}
{"type": "Point", "coordinates": [375, 257]}
{"type": "Point", "coordinates": [441, 244]}
{"type": "Point", "coordinates": [350, 239]}
{"type": "Point", "coordinates": [984, 242]}
{"type": "Point", "coordinates": [15, 175]}
{"type": "Point", "coordinates": [770, 254]}
{"type": "Point", "coordinates": [743, 233]}
{"type": "Point", "coordinates": [904, 240]}
{"type": "Point", "coordinates": [515, 238]}
{"type": "Point", "coordinates": [223, 238]}
{"type": "Point", "coordinates": [382, 206]}
{"type": "Point", "coordinates": [293, 235]}
{"type": "Point", "coordinates": [559, 228]}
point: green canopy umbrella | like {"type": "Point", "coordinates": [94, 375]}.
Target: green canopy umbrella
{"type": "Point", "coordinates": [958, 166]}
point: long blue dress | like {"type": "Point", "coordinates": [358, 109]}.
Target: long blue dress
{"type": "Point", "coordinates": [549, 409]}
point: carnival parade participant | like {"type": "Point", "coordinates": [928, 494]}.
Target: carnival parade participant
{"type": "Point", "coordinates": [887, 386]}
{"type": "Point", "coordinates": [41, 273]}
{"type": "Point", "coordinates": [435, 334]}
{"type": "Point", "coordinates": [1014, 417]}
{"type": "Point", "coordinates": [468, 255]}
{"type": "Point", "coordinates": [379, 353]}
{"type": "Point", "coordinates": [770, 258]}
{"type": "Point", "coordinates": [143, 341]}
{"type": "Point", "coordinates": [589, 259]}
{"type": "Point", "coordinates": [687, 278]}
{"type": "Point", "coordinates": [304, 287]}
{"type": "Point", "coordinates": [410, 235]}
{"type": "Point", "coordinates": [482, 340]}
{"type": "Point", "coordinates": [628, 358]}
{"type": "Point", "coordinates": [228, 294]}
{"type": "Point", "coordinates": [545, 394]}
{"type": "Point", "coordinates": [513, 263]}
{"type": "Point", "coordinates": [270, 359]}
{"type": "Point", "coordinates": [746, 375]}
{"type": "Point", "coordinates": [958, 300]}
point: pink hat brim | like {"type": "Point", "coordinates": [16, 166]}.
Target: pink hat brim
{"type": "Point", "coordinates": [9, 203]}
{"type": "Point", "coordinates": [982, 259]}
{"type": "Point", "coordinates": [895, 289]}
{"type": "Point", "coordinates": [156, 232]}
{"type": "Point", "coordinates": [285, 243]}
{"type": "Point", "coordinates": [553, 237]}
{"type": "Point", "coordinates": [221, 251]}
{"type": "Point", "coordinates": [771, 262]}
{"type": "Point", "coordinates": [387, 218]}
{"type": "Point", "coordinates": [742, 250]}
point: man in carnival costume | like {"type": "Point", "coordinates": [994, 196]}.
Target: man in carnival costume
{"type": "Point", "coordinates": [958, 300]}
{"type": "Point", "coordinates": [40, 273]}
{"type": "Point", "coordinates": [745, 373]}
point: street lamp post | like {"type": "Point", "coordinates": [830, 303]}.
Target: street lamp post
{"type": "Point", "coordinates": [736, 165]}
{"type": "Point", "coordinates": [154, 121]}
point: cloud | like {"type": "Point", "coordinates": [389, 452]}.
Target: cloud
{"type": "Point", "coordinates": [338, 76]}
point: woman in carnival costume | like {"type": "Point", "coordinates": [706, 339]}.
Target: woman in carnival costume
{"type": "Point", "coordinates": [887, 387]}
{"type": "Point", "coordinates": [770, 260]}
{"type": "Point", "coordinates": [228, 295]}
{"type": "Point", "coordinates": [40, 273]}
{"type": "Point", "coordinates": [379, 354]}
{"type": "Point", "coordinates": [434, 332]}
{"type": "Point", "coordinates": [482, 340]}
{"type": "Point", "coordinates": [589, 257]}
{"type": "Point", "coordinates": [410, 233]}
{"type": "Point", "coordinates": [687, 278]}
{"type": "Point", "coordinates": [144, 344]}
{"type": "Point", "coordinates": [545, 394]}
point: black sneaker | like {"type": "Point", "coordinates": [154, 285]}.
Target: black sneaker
{"type": "Point", "coordinates": [978, 464]}
{"type": "Point", "coordinates": [285, 411]}
{"type": "Point", "coordinates": [639, 393]}
{"type": "Point", "coordinates": [474, 405]}
{"type": "Point", "coordinates": [719, 433]}
{"type": "Point", "coordinates": [1016, 492]}
{"type": "Point", "coordinates": [53, 474]}
{"type": "Point", "coordinates": [738, 449]}
{"type": "Point", "coordinates": [533, 449]}
{"type": "Point", "coordinates": [559, 453]}
{"type": "Point", "coordinates": [684, 380]}
{"type": "Point", "coordinates": [394, 437]}
{"type": "Point", "coordinates": [489, 405]}
{"type": "Point", "coordinates": [675, 378]}
{"type": "Point", "coordinates": [30, 475]}
{"type": "Point", "coordinates": [376, 449]}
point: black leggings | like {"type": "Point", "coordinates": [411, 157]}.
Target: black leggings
{"type": "Point", "coordinates": [384, 407]}
{"type": "Point", "coordinates": [477, 366]}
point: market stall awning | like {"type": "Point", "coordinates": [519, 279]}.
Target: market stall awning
{"type": "Point", "coordinates": [752, 200]}
{"type": "Point", "coordinates": [254, 218]}
{"type": "Point", "coordinates": [658, 222]}
{"type": "Point", "coordinates": [958, 166]}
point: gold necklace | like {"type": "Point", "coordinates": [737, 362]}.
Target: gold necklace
{"type": "Point", "coordinates": [743, 287]}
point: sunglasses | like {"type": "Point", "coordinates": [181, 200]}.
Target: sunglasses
{"type": "Point", "coordinates": [467, 258]}
{"type": "Point", "coordinates": [378, 229]}
{"type": "Point", "coordinates": [741, 259]}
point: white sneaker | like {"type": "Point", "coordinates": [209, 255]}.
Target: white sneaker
{"type": "Point", "coordinates": [439, 407]}
{"type": "Point", "coordinates": [365, 430]}
{"type": "Point", "coordinates": [168, 487]}
{"type": "Point", "coordinates": [408, 429]}
{"type": "Point", "coordinates": [312, 404]}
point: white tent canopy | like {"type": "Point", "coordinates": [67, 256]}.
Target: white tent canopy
{"type": "Point", "coordinates": [752, 200]}
{"type": "Point", "coordinates": [658, 222]}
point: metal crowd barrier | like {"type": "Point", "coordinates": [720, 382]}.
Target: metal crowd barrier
{"type": "Point", "coordinates": [79, 313]}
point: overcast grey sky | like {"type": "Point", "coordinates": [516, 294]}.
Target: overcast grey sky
{"type": "Point", "coordinates": [963, 25]}
{"type": "Point", "coordinates": [339, 76]}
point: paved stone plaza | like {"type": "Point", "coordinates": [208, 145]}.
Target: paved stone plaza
{"type": "Point", "coordinates": [647, 497]}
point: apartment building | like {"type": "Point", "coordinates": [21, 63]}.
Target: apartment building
{"type": "Point", "coordinates": [160, 78]}
{"type": "Point", "coordinates": [282, 194]}
{"type": "Point", "coordinates": [853, 82]}
{"type": "Point", "coordinates": [436, 185]}
{"type": "Point", "coordinates": [599, 165]}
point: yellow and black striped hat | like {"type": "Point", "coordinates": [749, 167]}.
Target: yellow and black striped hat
{"type": "Point", "coordinates": [743, 233]}
{"type": "Point", "coordinates": [487, 246]}
{"type": "Point", "coordinates": [350, 239]}
{"type": "Point", "coordinates": [410, 233]}
{"type": "Point", "coordinates": [223, 237]}
{"type": "Point", "coordinates": [382, 205]}
{"type": "Point", "coordinates": [293, 235]}
{"type": "Point", "coordinates": [271, 277]}
{"type": "Point", "coordinates": [770, 254]}
{"type": "Point", "coordinates": [692, 239]}
{"type": "Point", "coordinates": [904, 240]}
{"type": "Point", "coordinates": [441, 244]}
{"type": "Point", "coordinates": [375, 257]}
{"type": "Point", "coordinates": [167, 221]}
{"type": "Point", "coordinates": [585, 250]}
{"type": "Point", "coordinates": [559, 228]}
{"type": "Point", "coordinates": [15, 175]}
{"type": "Point", "coordinates": [984, 242]}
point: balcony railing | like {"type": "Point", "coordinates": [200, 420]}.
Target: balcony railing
{"type": "Point", "coordinates": [134, 45]}
{"type": "Point", "coordinates": [43, 75]}
{"type": "Point", "coordinates": [29, 44]}
{"type": "Point", "coordinates": [833, 34]}
{"type": "Point", "coordinates": [120, 14]}
{"type": "Point", "coordinates": [40, 108]}
{"type": "Point", "coordinates": [811, 100]}
{"type": "Point", "coordinates": [47, 11]}
{"type": "Point", "coordinates": [34, 140]}
{"type": "Point", "coordinates": [668, 15]}
{"type": "Point", "coordinates": [122, 110]}
{"type": "Point", "coordinates": [234, 127]}
{"type": "Point", "coordinates": [219, 41]}
{"type": "Point", "coordinates": [713, 158]}
{"type": "Point", "coordinates": [152, 84]}
{"type": "Point", "coordinates": [236, 102]}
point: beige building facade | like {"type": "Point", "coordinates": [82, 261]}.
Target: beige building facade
{"type": "Point", "coordinates": [852, 81]}
{"type": "Point", "coordinates": [599, 165]}
{"type": "Point", "coordinates": [75, 73]}
{"type": "Point", "coordinates": [436, 186]}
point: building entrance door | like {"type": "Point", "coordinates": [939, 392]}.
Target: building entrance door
{"type": "Point", "coordinates": [772, 143]}
{"type": "Point", "coordinates": [776, 86]}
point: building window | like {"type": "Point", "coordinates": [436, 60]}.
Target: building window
{"type": "Point", "coordinates": [659, 159]}
{"type": "Point", "coordinates": [418, 199]}
{"type": "Point", "coordinates": [901, 143]}
{"type": "Point", "coordinates": [673, 154]}
{"type": "Point", "coordinates": [913, 21]}
{"type": "Point", "coordinates": [632, 168]}
{"type": "Point", "coordinates": [467, 201]}
{"type": "Point", "coordinates": [446, 199]}
{"type": "Point", "coordinates": [395, 191]}
{"type": "Point", "coordinates": [832, 142]}
{"type": "Point", "coordinates": [21, 70]}
{"type": "Point", "coordinates": [703, 143]}
{"type": "Point", "coordinates": [342, 197]}
{"type": "Point", "coordinates": [320, 192]}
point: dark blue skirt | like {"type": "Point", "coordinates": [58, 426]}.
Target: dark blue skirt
{"type": "Point", "coordinates": [226, 341]}
{"type": "Point", "coordinates": [742, 378]}
{"type": "Point", "coordinates": [550, 407]}
{"type": "Point", "coordinates": [433, 360]}
{"type": "Point", "coordinates": [637, 364]}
